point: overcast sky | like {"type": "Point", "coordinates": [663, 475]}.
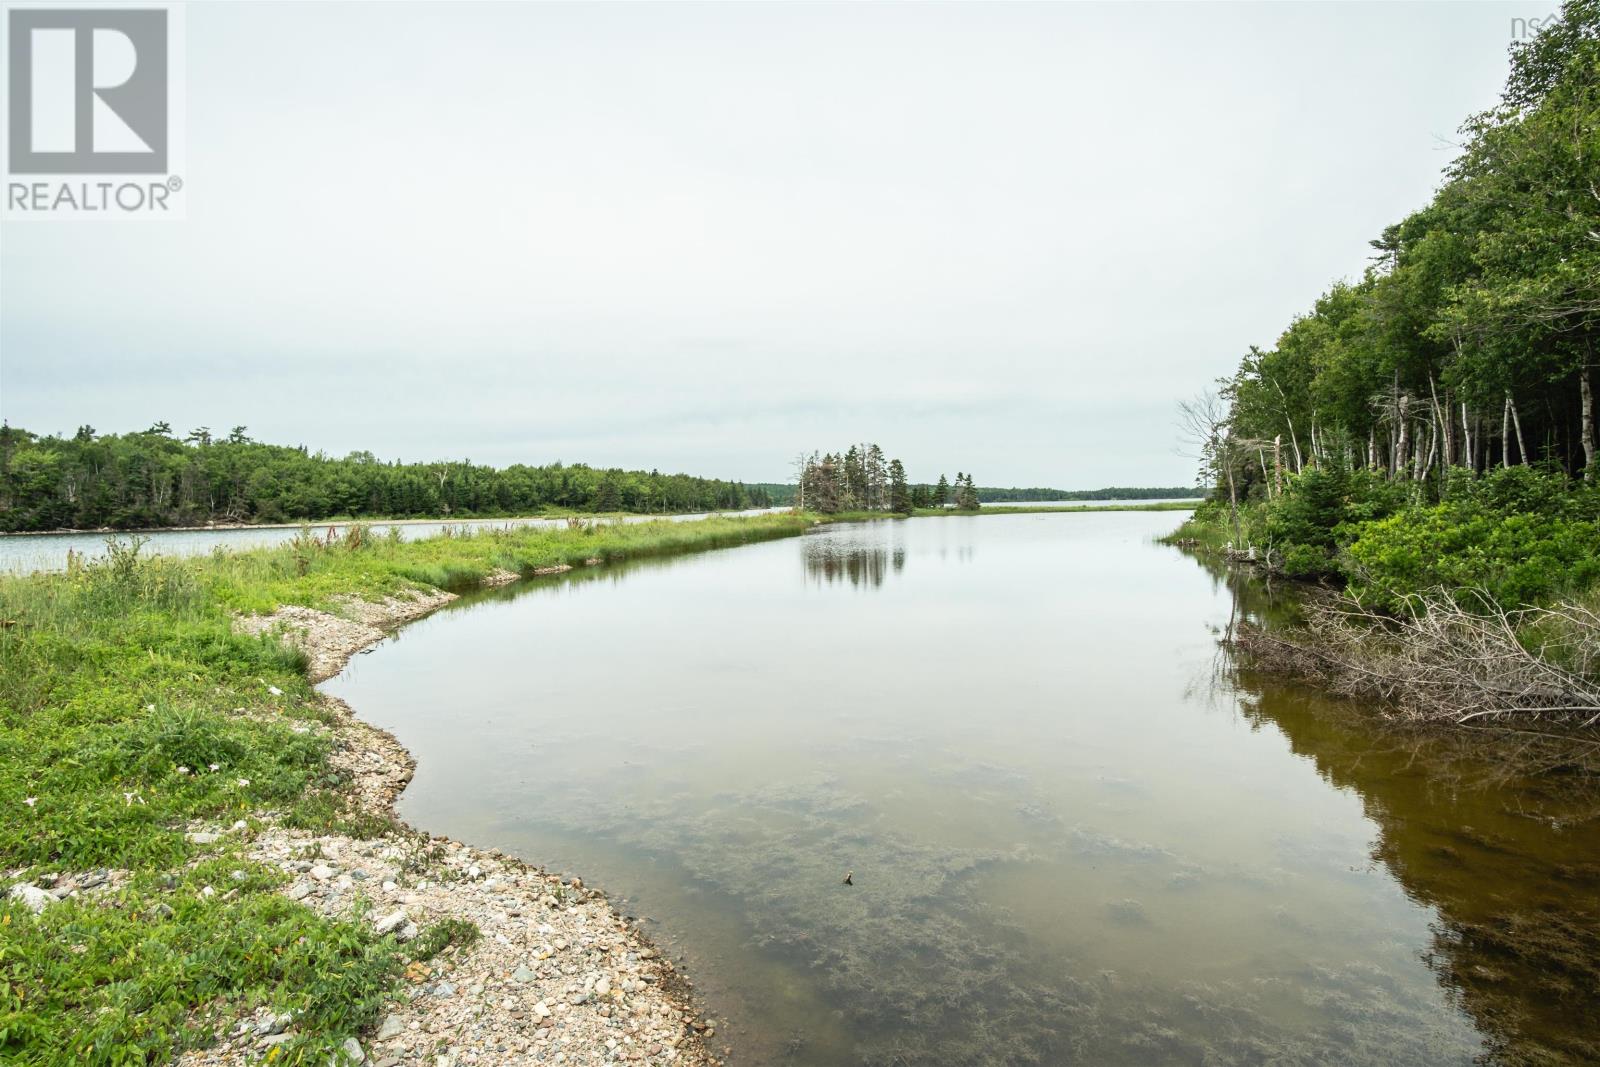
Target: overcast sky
{"type": "Point", "coordinates": [1000, 238]}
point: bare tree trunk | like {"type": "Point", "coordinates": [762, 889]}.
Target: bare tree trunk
{"type": "Point", "coordinates": [1277, 463]}
{"type": "Point", "coordinates": [1233, 495]}
{"type": "Point", "coordinates": [1466, 440]}
{"type": "Point", "coordinates": [1505, 433]}
{"type": "Point", "coordinates": [1586, 394]}
{"type": "Point", "coordinates": [1402, 447]}
{"type": "Point", "coordinates": [1516, 421]}
{"type": "Point", "coordinates": [1294, 439]}
{"type": "Point", "coordinates": [800, 466]}
{"type": "Point", "coordinates": [1443, 429]}
{"type": "Point", "coordinates": [1372, 446]}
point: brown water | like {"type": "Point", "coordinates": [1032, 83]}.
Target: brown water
{"type": "Point", "coordinates": [1078, 834]}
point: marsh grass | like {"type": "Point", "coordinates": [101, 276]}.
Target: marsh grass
{"type": "Point", "coordinates": [1208, 529]}
{"type": "Point", "coordinates": [130, 710]}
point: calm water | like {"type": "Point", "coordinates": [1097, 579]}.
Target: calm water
{"type": "Point", "coordinates": [23, 553]}
{"type": "Point", "coordinates": [1077, 835]}
{"type": "Point", "coordinates": [1001, 504]}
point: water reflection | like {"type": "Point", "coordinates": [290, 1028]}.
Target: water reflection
{"type": "Point", "coordinates": [1077, 834]}
{"type": "Point", "coordinates": [1510, 860]}
{"type": "Point", "coordinates": [828, 560]}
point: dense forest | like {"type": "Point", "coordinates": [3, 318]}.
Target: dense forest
{"type": "Point", "coordinates": [1428, 425]}
{"type": "Point", "coordinates": [1424, 437]}
{"type": "Point", "coordinates": [861, 479]}
{"type": "Point", "coordinates": [1471, 338]}
{"type": "Point", "coordinates": [155, 479]}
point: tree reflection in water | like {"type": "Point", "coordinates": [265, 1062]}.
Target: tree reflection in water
{"type": "Point", "coordinates": [1498, 832]}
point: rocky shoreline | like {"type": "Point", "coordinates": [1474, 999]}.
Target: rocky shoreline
{"type": "Point", "coordinates": [556, 974]}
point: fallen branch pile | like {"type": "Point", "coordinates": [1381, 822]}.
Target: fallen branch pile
{"type": "Point", "coordinates": [1450, 657]}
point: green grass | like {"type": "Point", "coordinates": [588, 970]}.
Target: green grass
{"type": "Point", "coordinates": [1208, 528]}
{"type": "Point", "coordinates": [129, 709]}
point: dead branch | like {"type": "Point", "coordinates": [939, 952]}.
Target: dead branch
{"type": "Point", "coordinates": [1448, 657]}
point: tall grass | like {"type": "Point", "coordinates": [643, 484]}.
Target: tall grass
{"type": "Point", "coordinates": [129, 709]}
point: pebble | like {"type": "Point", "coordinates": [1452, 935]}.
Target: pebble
{"type": "Point", "coordinates": [547, 943]}
{"type": "Point", "coordinates": [352, 1051]}
{"type": "Point", "coordinates": [390, 923]}
{"type": "Point", "coordinates": [33, 898]}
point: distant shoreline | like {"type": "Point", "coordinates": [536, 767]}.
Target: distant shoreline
{"type": "Point", "coordinates": [112, 531]}
{"type": "Point", "coordinates": [993, 507]}
{"type": "Point", "coordinates": [1050, 509]}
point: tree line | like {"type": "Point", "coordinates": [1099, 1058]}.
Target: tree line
{"type": "Point", "coordinates": [995, 495]}
{"type": "Point", "coordinates": [861, 479]}
{"type": "Point", "coordinates": [154, 478]}
{"type": "Point", "coordinates": [784, 494]}
{"type": "Point", "coordinates": [1471, 339]}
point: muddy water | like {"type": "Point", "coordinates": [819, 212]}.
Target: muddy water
{"type": "Point", "coordinates": [1076, 833]}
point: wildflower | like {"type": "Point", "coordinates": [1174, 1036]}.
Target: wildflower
{"type": "Point", "coordinates": [244, 783]}
{"type": "Point", "coordinates": [30, 801]}
{"type": "Point", "coordinates": [216, 766]}
{"type": "Point", "coordinates": [183, 770]}
{"type": "Point", "coordinates": [132, 798]}
{"type": "Point", "coordinates": [275, 691]}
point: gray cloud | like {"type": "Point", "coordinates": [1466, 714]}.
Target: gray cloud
{"type": "Point", "coordinates": [1004, 237]}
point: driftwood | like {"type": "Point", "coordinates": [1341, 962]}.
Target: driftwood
{"type": "Point", "coordinates": [1447, 657]}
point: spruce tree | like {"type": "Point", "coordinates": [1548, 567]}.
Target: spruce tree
{"type": "Point", "coordinates": [899, 492]}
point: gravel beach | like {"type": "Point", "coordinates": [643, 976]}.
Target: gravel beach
{"type": "Point", "coordinates": [557, 975]}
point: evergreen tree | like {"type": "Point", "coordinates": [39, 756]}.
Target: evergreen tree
{"type": "Point", "coordinates": [966, 493]}
{"type": "Point", "coordinates": [941, 492]}
{"type": "Point", "coordinates": [607, 497]}
{"type": "Point", "coordinates": [899, 493]}
{"type": "Point", "coordinates": [876, 476]}
{"type": "Point", "coordinates": [853, 480]}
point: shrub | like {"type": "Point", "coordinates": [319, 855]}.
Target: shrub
{"type": "Point", "coordinates": [1320, 510]}
{"type": "Point", "coordinates": [1517, 558]}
